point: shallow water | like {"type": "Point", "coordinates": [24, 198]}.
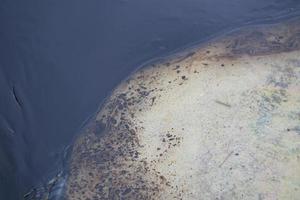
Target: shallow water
{"type": "Point", "coordinates": [60, 59]}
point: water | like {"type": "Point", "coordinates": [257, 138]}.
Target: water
{"type": "Point", "coordinates": [59, 59]}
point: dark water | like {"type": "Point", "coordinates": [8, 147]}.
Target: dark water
{"type": "Point", "coordinates": [59, 59]}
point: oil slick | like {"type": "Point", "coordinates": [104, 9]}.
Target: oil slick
{"type": "Point", "coordinates": [220, 121]}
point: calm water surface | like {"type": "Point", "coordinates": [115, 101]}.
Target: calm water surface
{"type": "Point", "coordinates": [59, 59]}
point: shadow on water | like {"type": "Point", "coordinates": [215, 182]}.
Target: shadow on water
{"type": "Point", "coordinates": [60, 58]}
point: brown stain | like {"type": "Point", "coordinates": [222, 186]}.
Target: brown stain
{"type": "Point", "coordinates": [107, 165]}
{"type": "Point", "coordinates": [262, 41]}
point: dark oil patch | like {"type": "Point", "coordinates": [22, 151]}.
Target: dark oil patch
{"type": "Point", "coordinates": [108, 165]}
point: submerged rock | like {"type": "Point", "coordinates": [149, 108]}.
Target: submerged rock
{"type": "Point", "coordinates": [217, 121]}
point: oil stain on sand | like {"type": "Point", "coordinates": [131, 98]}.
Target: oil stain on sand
{"type": "Point", "coordinates": [220, 121]}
